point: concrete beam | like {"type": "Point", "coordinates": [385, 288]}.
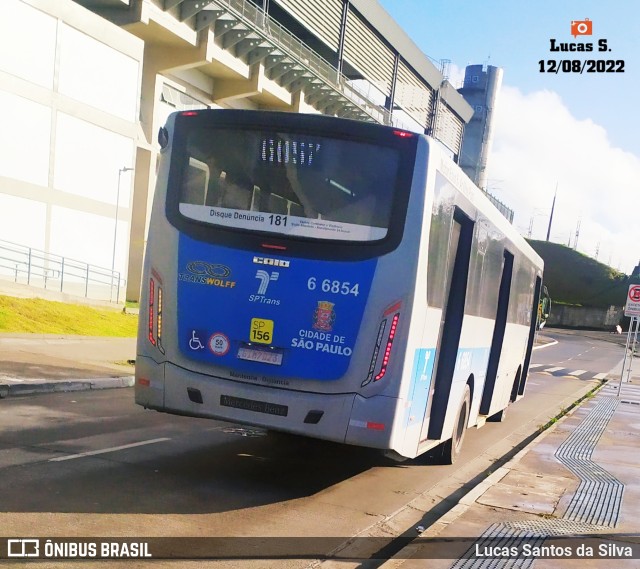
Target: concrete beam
{"type": "Point", "coordinates": [207, 18]}
{"type": "Point", "coordinates": [274, 72]}
{"type": "Point", "coordinates": [230, 89]}
{"type": "Point", "coordinates": [223, 25]}
{"type": "Point", "coordinates": [165, 58]}
{"type": "Point", "coordinates": [247, 45]}
{"type": "Point", "coordinates": [261, 53]}
{"type": "Point", "coordinates": [190, 8]}
{"type": "Point", "coordinates": [288, 78]}
{"type": "Point", "coordinates": [318, 95]}
{"type": "Point", "coordinates": [236, 35]}
{"type": "Point", "coordinates": [168, 4]}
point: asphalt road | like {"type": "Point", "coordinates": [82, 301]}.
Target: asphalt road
{"type": "Point", "coordinates": [89, 464]}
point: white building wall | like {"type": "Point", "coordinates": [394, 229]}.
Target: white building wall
{"type": "Point", "coordinates": [69, 96]}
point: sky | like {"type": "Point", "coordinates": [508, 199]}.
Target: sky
{"type": "Point", "coordinates": [577, 132]}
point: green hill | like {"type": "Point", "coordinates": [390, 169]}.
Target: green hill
{"type": "Point", "coordinates": [574, 278]}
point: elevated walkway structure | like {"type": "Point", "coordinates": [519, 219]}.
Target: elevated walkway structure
{"type": "Point", "coordinates": [345, 58]}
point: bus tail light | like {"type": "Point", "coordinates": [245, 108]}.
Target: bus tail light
{"type": "Point", "coordinates": [403, 133]}
{"type": "Point", "coordinates": [155, 315]}
{"type": "Point", "coordinates": [152, 298]}
{"type": "Point", "coordinates": [159, 321]}
{"type": "Point", "coordinates": [382, 345]}
{"type": "Point", "coordinates": [387, 350]}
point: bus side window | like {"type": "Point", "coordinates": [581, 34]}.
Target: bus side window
{"type": "Point", "coordinates": [215, 189]}
{"type": "Point", "coordinates": [195, 182]}
{"type": "Point", "coordinates": [228, 192]}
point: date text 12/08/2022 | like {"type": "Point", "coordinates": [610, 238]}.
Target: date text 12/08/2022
{"type": "Point", "coordinates": [581, 66]}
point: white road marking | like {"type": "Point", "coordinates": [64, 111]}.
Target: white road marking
{"type": "Point", "coordinates": [534, 365]}
{"type": "Point", "coordinates": [552, 369]}
{"type": "Point", "coordinates": [577, 372]}
{"type": "Point", "coordinates": [105, 450]}
{"type": "Point", "coordinates": [600, 376]}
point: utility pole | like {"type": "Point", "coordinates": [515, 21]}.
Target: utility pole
{"type": "Point", "coordinates": [553, 206]}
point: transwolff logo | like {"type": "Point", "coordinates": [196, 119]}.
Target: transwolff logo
{"type": "Point", "coordinates": [212, 274]}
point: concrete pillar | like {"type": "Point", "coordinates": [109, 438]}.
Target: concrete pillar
{"type": "Point", "coordinates": [145, 177]}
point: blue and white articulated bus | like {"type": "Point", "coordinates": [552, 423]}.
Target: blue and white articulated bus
{"type": "Point", "coordinates": [333, 279]}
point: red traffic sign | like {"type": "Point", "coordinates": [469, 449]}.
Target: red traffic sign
{"type": "Point", "coordinates": [632, 307]}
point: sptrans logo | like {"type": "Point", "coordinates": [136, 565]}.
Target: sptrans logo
{"type": "Point", "coordinates": [581, 27]}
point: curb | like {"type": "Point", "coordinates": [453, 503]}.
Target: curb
{"type": "Point", "coordinates": [12, 390]}
{"type": "Point", "coordinates": [466, 501]}
{"type": "Point", "coordinates": [541, 346]}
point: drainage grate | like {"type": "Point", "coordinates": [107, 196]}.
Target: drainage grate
{"type": "Point", "coordinates": [555, 527]}
{"type": "Point", "coordinates": [599, 496]}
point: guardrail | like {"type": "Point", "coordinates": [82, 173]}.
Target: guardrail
{"type": "Point", "coordinates": [502, 208]}
{"type": "Point", "coordinates": [26, 265]}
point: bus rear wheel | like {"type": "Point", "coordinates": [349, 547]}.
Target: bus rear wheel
{"type": "Point", "coordinates": [451, 448]}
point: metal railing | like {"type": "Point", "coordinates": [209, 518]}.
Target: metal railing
{"type": "Point", "coordinates": [33, 267]}
{"type": "Point", "coordinates": [502, 208]}
{"type": "Point", "coordinates": [283, 39]}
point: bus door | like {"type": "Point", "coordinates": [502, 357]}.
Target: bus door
{"type": "Point", "coordinates": [457, 272]}
{"type": "Point", "coordinates": [532, 334]}
{"type": "Point", "coordinates": [498, 334]}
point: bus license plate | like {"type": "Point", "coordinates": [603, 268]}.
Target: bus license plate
{"type": "Point", "coordinates": [257, 355]}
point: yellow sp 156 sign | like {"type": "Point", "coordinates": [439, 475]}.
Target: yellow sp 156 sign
{"type": "Point", "coordinates": [261, 331]}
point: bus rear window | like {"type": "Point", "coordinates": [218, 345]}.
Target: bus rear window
{"type": "Point", "coordinates": [291, 184]}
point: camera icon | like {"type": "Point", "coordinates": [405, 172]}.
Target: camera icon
{"type": "Point", "coordinates": [23, 548]}
{"type": "Point", "coordinates": [581, 27]}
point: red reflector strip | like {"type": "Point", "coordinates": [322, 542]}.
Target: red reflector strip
{"type": "Point", "coordinates": [156, 276]}
{"type": "Point", "coordinates": [143, 382]}
{"type": "Point", "coordinates": [189, 113]}
{"type": "Point", "coordinates": [387, 350]}
{"type": "Point", "coordinates": [393, 308]}
{"type": "Point", "coordinates": [375, 426]}
{"type": "Point", "coordinates": [277, 247]}
{"type": "Point", "coordinates": [403, 134]}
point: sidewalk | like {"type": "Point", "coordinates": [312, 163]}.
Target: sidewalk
{"type": "Point", "coordinates": [40, 363]}
{"type": "Point", "coordinates": [569, 499]}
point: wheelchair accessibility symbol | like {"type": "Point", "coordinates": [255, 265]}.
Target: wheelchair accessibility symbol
{"type": "Point", "coordinates": [195, 344]}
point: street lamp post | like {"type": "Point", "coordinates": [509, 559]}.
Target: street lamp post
{"type": "Point", "coordinates": [115, 229]}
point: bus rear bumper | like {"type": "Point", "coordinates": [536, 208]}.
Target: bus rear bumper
{"type": "Point", "coordinates": [149, 385]}
{"type": "Point", "coordinates": [323, 416]}
{"type": "Point", "coordinates": [371, 422]}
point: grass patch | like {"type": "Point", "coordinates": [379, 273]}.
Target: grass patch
{"type": "Point", "coordinates": [38, 316]}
